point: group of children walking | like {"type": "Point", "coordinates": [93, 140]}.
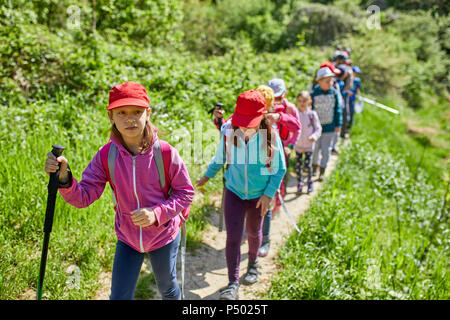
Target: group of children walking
{"type": "Point", "coordinates": [255, 146]}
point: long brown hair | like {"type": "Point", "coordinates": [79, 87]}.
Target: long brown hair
{"type": "Point", "coordinates": [147, 138]}
{"type": "Point", "coordinates": [263, 125]}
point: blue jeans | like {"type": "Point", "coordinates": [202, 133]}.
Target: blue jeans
{"type": "Point", "coordinates": [127, 265]}
{"type": "Point", "coordinates": [352, 112]}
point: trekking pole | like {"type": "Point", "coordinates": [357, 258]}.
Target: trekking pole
{"type": "Point", "coordinates": [379, 105]}
{"type": "Point", "coordinates": [287, 212]}
{"type": "Point", "coordinates": [222, 204]}
{"type": "Point", "coordinates": [48, 223]}
{"type": "Point", "coordinates": [183, 253]}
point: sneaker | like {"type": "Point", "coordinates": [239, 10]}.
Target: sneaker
{"type": "Point", "coordinates": [310, 187]}
{"type": "Point", "coordinates": [315, 167]}
{"type": "Point", "coordinates": [252, 273]}
{"type": "Point", "coordinates": [230, 292]}
{"type": "Point", "coordinates": [264, 249]}
{"type": "Point", "coordinates": [299, 187]}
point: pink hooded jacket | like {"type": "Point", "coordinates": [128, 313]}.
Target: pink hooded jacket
{"type": "Point", "coordinates": [137, 186]}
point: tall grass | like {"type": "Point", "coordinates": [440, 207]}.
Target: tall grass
{"type": "Point", "coordinates": [378, 229]}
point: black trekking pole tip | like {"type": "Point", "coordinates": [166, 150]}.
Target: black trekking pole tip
{"type": "Point", "coordinates": [57, 149]}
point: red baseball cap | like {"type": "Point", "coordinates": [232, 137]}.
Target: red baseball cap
{"type": "Point", "coordinates": [250, 109]}
{"type": "Point", "coordinates": [128, 94]}
{"type": "Point", "coordinates": [331, 66]}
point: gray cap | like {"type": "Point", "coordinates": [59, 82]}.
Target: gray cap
{"type": "Point", "coordinates": [277, 86]}
{"type": "Point", "coordinates": [324, 73]}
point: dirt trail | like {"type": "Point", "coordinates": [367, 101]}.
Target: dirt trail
{"type": "Point", "coordinates": [206, 270]}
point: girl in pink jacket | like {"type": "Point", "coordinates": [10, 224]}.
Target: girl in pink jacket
{"type": "Point", "coordinates": [145, 221]}
{"type": "Point", "coordinates": [304, 139]}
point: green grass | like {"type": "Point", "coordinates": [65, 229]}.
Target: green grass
{"type": "Point", "coordinates": [366, 232]}
{"type": "Point", "coordinates": [182, 89]}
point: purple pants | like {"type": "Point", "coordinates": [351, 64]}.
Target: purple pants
{"type": "Point", "coordinates": [235, 212]}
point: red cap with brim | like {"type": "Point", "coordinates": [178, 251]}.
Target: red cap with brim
{"type": "Point", "coordinates": [331, 66]}
{"type": "Point", "coordinates": [128, 102]}
{"type": "Point", "coordinates": [250, 109]}
{"type": "Point", "coordinates": [242, 120]}
{"type": "Point", "coordinates": [128, 94]}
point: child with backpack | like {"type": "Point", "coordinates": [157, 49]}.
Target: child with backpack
{"type": "Point", "coordinates": [255, 166]}
{"type": "Point", "coordinates": [283, 106]}
{"type": "Point", "coordinates": [355, 91]}
{"type": "Point", "coordinates": [325, 102]}
{"type": "Point", "coordinates": [284, 119]}
{"type": "Point", "coordinates": [305, 138]}
{"type": "Point", "coordinates": [148, 213]}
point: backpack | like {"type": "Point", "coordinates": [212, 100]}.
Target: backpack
{"type": "Point", "coordinates": [284, 132]}
{"type": "Point", "coordinates": [162, 158]}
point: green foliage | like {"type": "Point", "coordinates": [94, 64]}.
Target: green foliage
{"type": "Point", "coordinates": [378, 229]}
{"type": "Point", "coordinates": [407, 56]}
{"type": "Point", "coordinates": [151, 21]}
{"type": "Point", "coordinates": [56, 72]}
{"type": "Point", "coordinates": [321, 24]}
{"type": "Point", "coordinates": [68, 74]}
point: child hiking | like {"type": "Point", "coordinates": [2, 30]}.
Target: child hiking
{"type": "Point", "coordinates": [255, 167]}
{"type": "Point", "coordinates": [147, 220]}
{"type": "Point", "coordinates": [325, 102]}
{"type": "Point", "coordinates": [336, 86]}
{"type": "Point", "coordinates": [280, 122]}
{"type": "Point", "coordinates": [305, 138]}
{"type": "Point", "coordinates": [356, 91]}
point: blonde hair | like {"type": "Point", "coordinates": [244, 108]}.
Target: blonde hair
{"type": "Point", "coordinates": [304, 94]}
{"type": "Point", "coordinates": [267, 93]}
{"type": "Point", "coordinates": [307, 96]}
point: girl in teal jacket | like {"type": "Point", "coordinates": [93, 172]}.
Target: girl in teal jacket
{"type": "Point", "coordinates": [254, 157]}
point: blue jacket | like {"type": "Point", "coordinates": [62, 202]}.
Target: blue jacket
{"type": "Point", "coordinates": [356, 85]}
{"type": "Point", "coordinates": [326, 104]}
{"type": "Point", "coordinates": [248, 175]}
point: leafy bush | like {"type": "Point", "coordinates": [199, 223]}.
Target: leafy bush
{"type": "Point", "coordinates": [321, 24]}
{"type": "Point", "coordinates": [377, 230]}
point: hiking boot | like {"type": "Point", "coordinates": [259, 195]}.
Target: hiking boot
{"type": "Point", "coordinates": [300, 187]}
{"type": "Point", "coordinates": [322, 173]}
{"type": "Point", "coordinates": [264, 249]}
{"type": "Point", "coordinates": [314, 169]}
{"type": "Point", "coordinates": [310, 186]}
{"type": "Point", "coordinates": [230, 292]}
{"type": "Point", "coordinates": [252, 272]}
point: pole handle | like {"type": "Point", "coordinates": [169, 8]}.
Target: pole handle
{"type": "Point", "coordinates": [52, 190]}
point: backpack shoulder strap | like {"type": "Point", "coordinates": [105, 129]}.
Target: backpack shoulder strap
{"type": "Point", "coordinates": [163, 158]}
{"type": "Point", "coordinates": [108, 155]}
{"type": "Point", "coordinates": [311, 120]}
{"type": "Point", "coordinates": [226, 152]}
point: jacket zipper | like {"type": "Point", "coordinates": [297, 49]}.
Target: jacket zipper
{"type": "Point", "coordinates": [245, 171]}
{"type": "Point", "coordinates": [138, 204]}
